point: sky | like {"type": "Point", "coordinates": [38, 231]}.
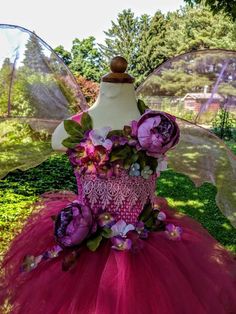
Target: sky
{"type": "Point", "coordinates": [59, 22]}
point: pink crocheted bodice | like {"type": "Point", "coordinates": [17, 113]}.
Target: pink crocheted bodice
{"type": "Point", "coordinates": [124, 195]}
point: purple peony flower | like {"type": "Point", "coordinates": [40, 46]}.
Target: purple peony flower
{"type": "Point", "coordinates": [173, 232]}
{"type": "Point", "coordinates": [121, 244]}
{"type": "Point", "coordinates": [157, 132]}
{"type": "Point", "coordinates": [73, 224]}
{"type": "Point", "coordinates": [98, 137]}
{"type": "Point", "coordinates": [134, 128]}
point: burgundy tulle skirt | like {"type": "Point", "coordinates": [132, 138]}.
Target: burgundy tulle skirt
{"type": "Point", "coordinates": [192, 276]}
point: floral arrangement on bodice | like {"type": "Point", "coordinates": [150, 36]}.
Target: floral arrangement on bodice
{"type": "Point", "coordinates": [139, 149]}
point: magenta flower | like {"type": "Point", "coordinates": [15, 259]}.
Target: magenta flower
{"type": "Point", "coordinates": [88, 158]}
{"type": "Point", "coordinates": [118, 140]}
{"type": "Point", "coordinates": [173, 232]}
{"type": "Point", "coordinates": [121, 244]}
{"type": "Point", "coordinates": [30, 262]}
{"type": "Point", "coordinates": [53, 252]}
{"type": "Point", "coordinates": [141, 230]}
{"type": "Point", "coordinates": [104, 171]}
{"type": "Point", "coordinates": [134, 128]}
{"type": "Point", "coordinates": [98, 137]}
{"type": "Point", "coordinates": [139, 226]}
{"type": "Point", "coordinates": [157, 132]}
{"type": "Point", "coordinates": [73, 224]}
{"type": "Point", "coordinates": [105, 219]}
{"type": "Point", "coordinates": [117, 167]}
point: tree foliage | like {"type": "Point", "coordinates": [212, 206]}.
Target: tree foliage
{"type": "Point", "coordinates": [223, 6]}
{"type": "Point", "coordinates": [135, 38]}
{"type": "Point", "coordinates": [90, 89]}
{"type": "Point", "coordinates": [35, 59]}
{"type": "Point", "coordinates": [63, 54]}
{"type": "Point", "coordinates": [147, 41]}
{"type": "Point", "coordinates": [87, 59]}
{"type": "Point", "coordinates": [84, 59]}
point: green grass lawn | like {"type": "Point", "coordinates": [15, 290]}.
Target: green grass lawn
{"type": "Point", "coordinates": [232, 145]}
{"type": "Point", "coordinates": [20, 189]}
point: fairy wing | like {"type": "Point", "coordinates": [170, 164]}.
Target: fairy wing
{"type": "Point", "coordinates": [199, 88]}
{"type": "Point", "coordinates": [37, 92]}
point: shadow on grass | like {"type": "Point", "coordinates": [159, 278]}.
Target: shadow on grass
{"type": "Point", "coordinates": [198, 203]}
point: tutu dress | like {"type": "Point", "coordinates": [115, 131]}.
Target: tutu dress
{"type": "Point", "coordinates": [115, 247]}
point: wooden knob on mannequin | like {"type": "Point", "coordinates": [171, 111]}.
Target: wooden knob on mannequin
{"type": "Point", "coordinates": [118, 67]}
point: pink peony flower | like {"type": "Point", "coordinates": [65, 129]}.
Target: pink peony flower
{"type": "Point", "coordinates": [134, 128]}
{"type": "Point", "coordinates": [157, 132]}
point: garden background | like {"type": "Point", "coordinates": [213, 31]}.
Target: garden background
{"type": "Point", "coordinates": [146, 42]}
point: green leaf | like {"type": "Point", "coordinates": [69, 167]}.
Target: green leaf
{"type": "Point", "coordinates": [161, 226]}
{"type": "Point", "coordinates": [71, 142]}
{"type": "Point", "coordinates": [120, 153]}
{"type": "Point", "coordinates": [130, 160]}
{"type": "Point", "coordinates": [149, 223]}
{"type": "Point", "coordinates": [152, 163]}
{"type": "Point", "coordinates": [94, 243]}
{"type": "Point", "coordinates": [73, 128]}
{"type": "Point", "coordinates": [127, 163]}
{"type": "Point", "coordinates": [86, 122]}
{"type": "Point", "coordinates": [106, 232]}
{"type": "Point", "coordinates": [134, 158]}
{"type": "Point", "coordinates": [115, 132]}
{"type": "Point", "coordinates": [141, 106]}
{"type": "Point", "coordinates": [142, 158]}
{"type": "Point", "coordinates": [146, 212]}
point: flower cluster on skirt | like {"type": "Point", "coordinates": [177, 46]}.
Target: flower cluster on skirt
{"type": "Point", "coordinates": [139, 148]}
{"type": "Point", "coordinates": [76, 226]}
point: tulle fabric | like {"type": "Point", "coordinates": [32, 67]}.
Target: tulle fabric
{"type": "Point", "coordinates": [194, 275]}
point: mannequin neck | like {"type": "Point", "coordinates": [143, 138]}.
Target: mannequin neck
{"type": "Point", "coordinates": [115, 106]}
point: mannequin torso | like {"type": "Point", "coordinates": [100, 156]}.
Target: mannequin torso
{"type": "Point", "coordinates": [115, 107]}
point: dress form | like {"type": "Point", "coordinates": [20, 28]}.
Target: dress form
{"type": "Point", "coordinates": [115, 106]}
